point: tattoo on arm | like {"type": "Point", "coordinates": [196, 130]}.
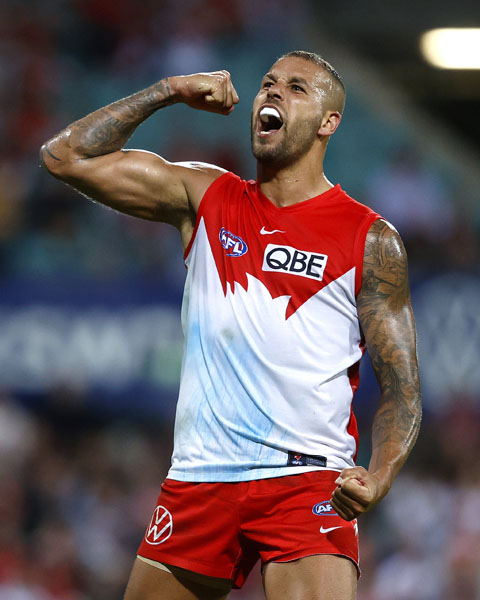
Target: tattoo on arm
{"type": "Point", "coordinates": [387, 321]}
{"type": "Point", "coordinates": [108, 129]}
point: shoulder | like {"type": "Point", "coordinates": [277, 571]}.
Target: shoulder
{"type": "Point", "coordinates": [385, 269]}
{"type": "Point", "coordinates": [199, 167]}
{"type": "Point", "coordinates": [197, 177]}
{"type": "Point", "coordinates": [194, 171]}
{"type": "Point", "coordinates": [382, 242]}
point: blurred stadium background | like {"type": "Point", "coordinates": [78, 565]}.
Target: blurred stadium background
{"type": "Point", "coordinates": [90, 340]}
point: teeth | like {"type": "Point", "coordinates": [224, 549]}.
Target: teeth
{"type": "Point", "coordinates": [269, 111]}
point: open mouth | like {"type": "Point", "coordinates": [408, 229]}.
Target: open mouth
{"type": "Point", "coordinates": [270, 121]}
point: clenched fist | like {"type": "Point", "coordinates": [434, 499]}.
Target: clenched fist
{"type": "Point", "coordinates": [357, 492]}
{"type": "Point", "coordinates": [213, 92]}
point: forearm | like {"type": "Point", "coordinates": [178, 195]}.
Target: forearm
{"type": "Point", "coordinates": [107, 130]}
{"type": "Point", "coordinates": [394, 432]}
{"type": "Point", "coordinates": [387, 322]}
{"type": "Point", "coordinates": [88, 153]}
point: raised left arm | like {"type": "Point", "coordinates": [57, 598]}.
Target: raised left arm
{"type": "Point", "coordinates": [386, 318]}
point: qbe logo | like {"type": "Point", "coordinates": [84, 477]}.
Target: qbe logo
{"type": "Point", "coordinates": [234, 245]}
{"type": "Point", "coordinates": [161, 526]}
{"type": "Point", "coordinates": [295, 262]}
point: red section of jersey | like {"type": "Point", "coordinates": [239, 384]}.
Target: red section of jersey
{"type": "Point", "coordinates": [243, 225]}
{"type": "Point", "coordinates": [352, 428]}
{"type": "Point", "coordinates": [222, 529]}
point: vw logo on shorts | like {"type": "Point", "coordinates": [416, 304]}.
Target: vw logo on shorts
{"type": "Point", "coordinates": [161, 526]}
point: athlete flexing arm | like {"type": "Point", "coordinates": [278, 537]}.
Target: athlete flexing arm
{"type": "Point", "coordinates": [387, 322]}
{"type": "Point", "coordinates": [88, 154]}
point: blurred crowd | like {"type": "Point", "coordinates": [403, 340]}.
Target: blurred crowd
{"type": "Point", "coordinates": [75, 495]}
{"type": "Point", "coordinates": [77, 487]}
{"type": "Point", "coordinates": [437, 232]}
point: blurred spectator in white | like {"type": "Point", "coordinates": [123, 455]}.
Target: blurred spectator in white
{"type": "Point", "coordinates": [413, 199]}
{"type": "Point", "coordinates": [18, 432]}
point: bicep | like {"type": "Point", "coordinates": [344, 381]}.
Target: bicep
{"type": "Point", "coordinates": [138, 183]}
{"type": "Point", "coordinates": [143, 184]}
{"type": "Point", "coordinates": [385, 311]}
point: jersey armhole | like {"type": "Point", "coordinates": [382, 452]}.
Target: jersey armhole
{"type": "Point", "coordinates": [212, 188]}
{"type": "Point", "coordinates": [359, 248]}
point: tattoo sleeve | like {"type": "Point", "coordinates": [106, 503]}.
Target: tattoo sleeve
{"type": "Point", "coordinates": [387, 322]}
{"type": "Point", "coordinates": [108, 129]}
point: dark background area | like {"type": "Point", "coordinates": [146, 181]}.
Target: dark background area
{"type": "Point", "coordinates": [90, 337]}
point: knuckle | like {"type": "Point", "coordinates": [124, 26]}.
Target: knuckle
{"type": "Point", "coordinates": [358, 469]}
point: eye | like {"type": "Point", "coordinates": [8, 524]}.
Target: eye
{"type": "Point", "coordinates": [297, 88]}
{"type": "Point", "coordinates": [267, 84]}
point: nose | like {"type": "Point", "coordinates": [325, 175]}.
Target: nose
{"type": "Point", "coordinates": [275, 91]}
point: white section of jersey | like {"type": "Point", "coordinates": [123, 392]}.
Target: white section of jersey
{"type": "Point", "coordinates": [256, 385]}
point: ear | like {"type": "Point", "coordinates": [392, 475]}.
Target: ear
{"type": "Point", "coordinates": [330, 122]}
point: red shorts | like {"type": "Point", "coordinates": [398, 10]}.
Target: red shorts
{"type": "Point", "coordinates": [222, 529]}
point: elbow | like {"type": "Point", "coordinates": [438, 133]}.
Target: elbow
{"type": "Point", "coordinates": [48, 159]}
{"type": "Point", "coordinates": [56, 156]}
{"type": "Point", "coordinates": [419, 410]}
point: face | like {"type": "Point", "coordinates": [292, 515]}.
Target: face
{"type": "Point", "coordinates": [288, 111]}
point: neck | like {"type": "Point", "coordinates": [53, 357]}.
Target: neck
{"type": "Point", "coordinates": [292, 184]}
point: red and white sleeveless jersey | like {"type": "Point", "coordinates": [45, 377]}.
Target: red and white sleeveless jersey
{"type": "Point", "coordinates": [272, 337]}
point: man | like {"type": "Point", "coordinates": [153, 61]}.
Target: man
{"type": "Point", "coordinates": [288, 279]}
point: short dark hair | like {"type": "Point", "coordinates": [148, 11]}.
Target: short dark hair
{"type": "Point", "coordinates": [318, 60]}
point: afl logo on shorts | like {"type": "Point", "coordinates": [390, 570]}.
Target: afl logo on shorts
{"type": "Point", "coordinates": [160, 528]}
{"type": "Point", "coordinates": [323, 508]}
{"type": "Point", "coordinates": [233, 244]}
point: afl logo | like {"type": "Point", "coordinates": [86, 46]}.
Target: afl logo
{"type": "Point", "coordinates": [234, 245]}
{"type": "Point", "coordinates": [323, 508]}
{"type": "Point", "coordinates": [161, 526]}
